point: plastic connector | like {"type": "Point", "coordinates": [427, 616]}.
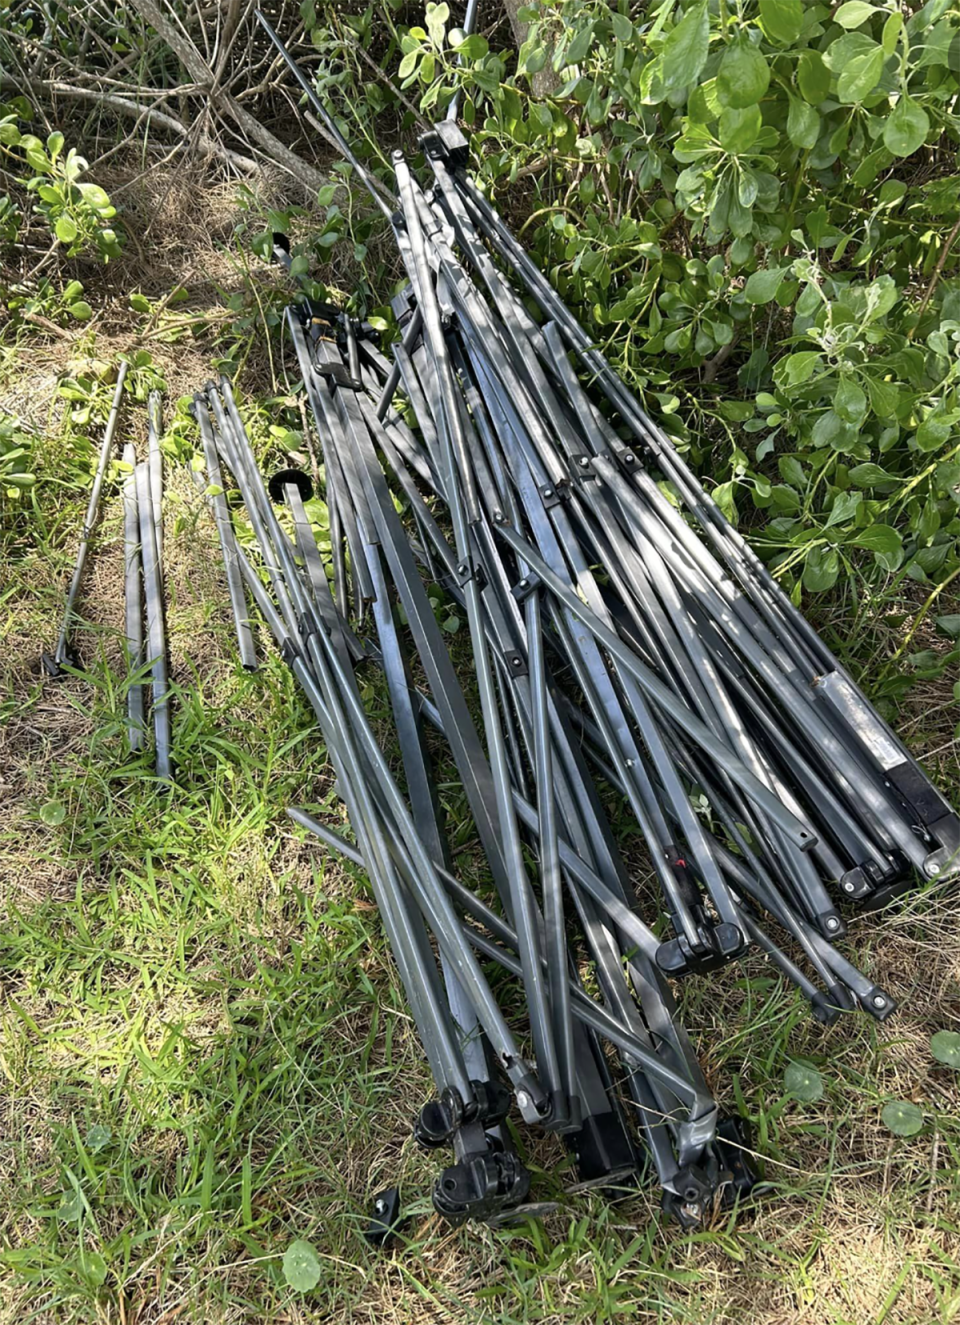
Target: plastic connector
{"type": "Point", "coordinates": [480, 1187]}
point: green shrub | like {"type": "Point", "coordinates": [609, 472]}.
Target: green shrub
{"type": "Point", "coordinates": [754, 209]}
{"type": "Point", "coordinates": [77, 212]}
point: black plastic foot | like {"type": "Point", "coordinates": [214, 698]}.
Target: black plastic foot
{"type": "Point", "coordinates": [385, 1220]}
{"type": "Point", "coordinates": [480, 1187]}
{"type": "Point", "coordinates": [721, 943]}
{"type": "Point", "coordinates": [437, 1121]}
{"type": "Point", "coordinates": [882, 897]}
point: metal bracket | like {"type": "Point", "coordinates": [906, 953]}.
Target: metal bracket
{"type": "Point", "coordinates": [583, 471]}
{"type": "Point", "coordinates": [339, 374]}
{"type": "Point", "coordinates": [515, 662]}
{"type": "Point", "coordinates": [445, 141]}
{"type": "Point", "coordinates": [524, 588]}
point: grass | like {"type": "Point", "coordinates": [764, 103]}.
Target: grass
{"type": "Point", "coordinates": [204, 1048]}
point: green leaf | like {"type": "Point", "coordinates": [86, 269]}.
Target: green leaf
{"type": "Point", "coordinates": [860, 76]}
{"type": "Point", "coordinates": [98, 1138]}
{"type": "Point", "coordinates": [53, 813]}
{"type": "Point", "coordinates": [803, 1082]}
{"type": "Point", "coordinates": [791, 471]}
{"type": "Point", "coordinates": [408, 64]}
{"type": "Point", "coordinates": [879, 538]}
{"type": "Point", "coordinates": [763, 285]}
{"type": "Point", "coordinates": [326, 195]}
{"type": "Point", "coordinates": [844, 508]}
{"type": "Point", "coordinates": [66, 230]}
{"type": "Point", "coordinates": [580, 47]}
{"type": "Point", "coordinates": [803, 124]}
{"type": "Point", "coordinates": [903, 1118]}
{"type": "Point", "coordinates": [884, 542]}
{"type": "Point", "coordinates": [932, 433]}
{"type": "Point", "coordinates": [945, 1047]}
{"type": "Point", "coordinates": [623, 29]}
{"type": "Point", "coordinates": [739, 128]}
{"type": "Point", "coordinates": [96, 197]}
{"type": "Point", "coordinates": [782, 20]}
{"type": "Point", "coordinates": [841, 51]}
{"type": "Point", "coordinates": [949, 624]}
{"type": "Point", "coordinates": [798, 368]}
{"type": "Point", "coordinates": [905, 128]}
{"type": "Point", "coordinates": [884, 398]}
{"type": "Point", "coordinates": [869, 475]}
{"type": "Point", "coordinates": [831, 430]}
{"type": "Point", "coordinates": [436, 19]}
{"type": "Point", "coordinates": [850, 401]}
{"type": "Point", "coordinates": [93, 1267]}
{"type": "Point", "coordinates": [140, 303]}
{"type": "Point", "coordinates": [813, 77]}
{"type": "Point", "coordinates": [891, 33]}
{"type": "Point", "coordinates": [685, 50]}
{"type": "Point", "coordinates": [301, 1267]}
{"type": "Point", "coordinates": [853, 13]}
{"type": "Point", "coordinates": [70, 1208]}
{"type": "Point", "coordinates": [81, 310]}
{"type": "Point", "coordinates": [820, 570]}
{"type": "Point", "coordinates": [743, 76]}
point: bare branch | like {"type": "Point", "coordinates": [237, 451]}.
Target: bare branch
{"type": "Point", "coordinates": [133, 110]}
{"type": "Point", "coordinates": [201, 73]}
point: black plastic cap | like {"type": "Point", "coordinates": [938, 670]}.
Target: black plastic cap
{"type": "Point", "coordinates": [301, 481]}
{"type": "Point", "coordinates": [824, 1009]}
{"type": "Point", "coordinates": [831, 925]}
{"type": "Point", "coordinates": [53, 669]}
{"type": "Point", "coordinates": [385, 1219]}
{"type": "Point", "coordinates": [733, 1142]}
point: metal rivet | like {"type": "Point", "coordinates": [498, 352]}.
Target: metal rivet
{"type": "Point", "coordinates": [879, 1001]}
{"type": "Point", "coordinates": [833, 923]}
{"type": "Point", "coordinates": [523, 1099]}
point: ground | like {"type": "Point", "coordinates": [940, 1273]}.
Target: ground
{"type": "Point", "coordinates": [204, 1049]}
